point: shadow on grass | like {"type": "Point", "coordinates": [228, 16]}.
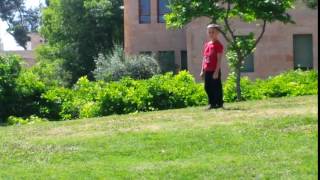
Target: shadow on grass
{"type": "Point", "coordinates": [3, 124]}
{"type": "Point", "coordinates": [234, 109]}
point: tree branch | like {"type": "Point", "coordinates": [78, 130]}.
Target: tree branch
{"type": "Point", "coordinates": [260, 36]}
{"type": "Point", "coordinates": [226, 21]}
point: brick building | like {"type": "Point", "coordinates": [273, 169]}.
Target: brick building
{"type": "Point", "coordinates": [29, 54]}
{"type": "Point", "coordinates": [282, 48]}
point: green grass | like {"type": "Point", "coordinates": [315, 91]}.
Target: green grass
{"type": "Point", "coordinates": [268, 139]}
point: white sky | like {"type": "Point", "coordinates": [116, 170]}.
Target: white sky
{"type": "Point", "coordinates": [8, 41]}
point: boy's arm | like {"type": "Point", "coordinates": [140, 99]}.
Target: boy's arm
{"type": "Point", "coordinates": [216, 72]}
{"type": "Point", "coordinates": [219, 56]}
{"type": "Point", "coordinates": [202, 70]}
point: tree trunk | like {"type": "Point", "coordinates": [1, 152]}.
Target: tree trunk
{"type": "Point", "coordinates": [238, 80]}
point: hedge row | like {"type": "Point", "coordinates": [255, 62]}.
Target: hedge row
{"type": "Point", "coordinates": [24, 94]}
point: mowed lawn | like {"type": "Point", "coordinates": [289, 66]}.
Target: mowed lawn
{"type": "Point", "coordinates": [268, 139]}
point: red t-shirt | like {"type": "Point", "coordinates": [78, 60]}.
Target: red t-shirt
{"type": "Point", "coordinates": [210, 55]}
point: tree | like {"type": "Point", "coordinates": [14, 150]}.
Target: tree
{"type": "Point", "coordinates": [20, 19]}
{"type": "Point", "coordinates": [222, 12]}
{"type": "Point", "coordinates": [82, 29]}
{"type": "Point", "coordinates": [313, 4]}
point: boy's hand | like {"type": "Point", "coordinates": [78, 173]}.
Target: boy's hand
{"type": "Point", "coordinates": [201, 74]}
{"type": "Point", "coordinates": [215, 75]}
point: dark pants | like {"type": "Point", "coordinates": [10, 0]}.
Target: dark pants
{"type": "Point", "coordinates": [213, 89]}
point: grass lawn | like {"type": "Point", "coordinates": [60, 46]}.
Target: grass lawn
{"type": "Point", "coordinates": [268, 139]}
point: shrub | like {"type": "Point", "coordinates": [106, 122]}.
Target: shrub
{"type": "Point", "coordinates": [250, 89]}
{"type": "Point", "coordinates": [58, 104]}
{"type": "Point", "coordinates": [49, 67]}
{"type": "Point", "coordinates": [89, 110]}
{"type": "Point", "coordinates": [169, 91]}
{"type": "Point", "coordinates": [27, 97]}
{"type": "Point", "coordinates": [115, 65]}
{"type": "Point", "coordinates": [291, 83]}
{"type": "Point", "coordinates": [142, 66]}
{"type": "Point", "coordinates": [157, 93]}
{"type": "Point", "coordinates": [63, 103]}
{"type": "Point", "coordinates": [125, 96]}
{"type": "Point", "coordinates": [10, 67]}
{"type": "Point", "coordinates": [20, 89]}
{"type": "Point", "coordinates": [12, 120]}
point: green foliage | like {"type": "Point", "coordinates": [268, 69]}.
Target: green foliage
{"type": "Point", "coordinates": [222, 12]}
{"type": "Point", "coordinates": [81, 29]}
{"type": "Point", "coordinates": [49, 67]}
{"type": "Point", "coordinates": [183, 11]}
{"type": "Point", "coordinates": [178, 91]}
{"type": "Point", "coordinates": [116, 65]}
{"type": "Point", "coordinates": [9, 71]}
{"type": "Point", "coordinates": [24, 94]}
{"type": "Point", "coordinates": [313, 4]}
{"type": "Point", "coordinates": [92, 99]}
{"type": "Point", "coordinates": [12, 120]}
{"type": "Point", "coordinates": [243, 45]}
{"type": "Point", "coordinates": [291, 83]}
{"type": "Point", "coordinates": [20, 89]}
{"type": "Point", "coordinates": [57, 103]}
{"type": "Point", "coordinates": [90, 110]}
{"type": "Point", "coordinates": [27, 97]}
{"type": "Point", "coordinates": [64, 103]}
{"type": "Point", "coordinates": [20, 20]}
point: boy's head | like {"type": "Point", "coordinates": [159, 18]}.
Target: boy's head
{"type": "Point", "coordinates": [213, 32]}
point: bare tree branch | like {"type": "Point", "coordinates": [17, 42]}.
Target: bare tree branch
{"type": "Point", "coordinates": [226, 21]}
{"type": "Point", "coordinates": [261, 35]}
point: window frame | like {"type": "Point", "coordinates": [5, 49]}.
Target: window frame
{"type": "Point", "coordinates": [172, 69]}
{"type": "Point", "coordinates": [158, 13]}
{"type": "Point", "coordinates": [141, 15]}
{"type": "Point", "coordinates": [294, 55]}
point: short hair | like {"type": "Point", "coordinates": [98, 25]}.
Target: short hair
{"type": "Point", "coordinates": [213, 26]}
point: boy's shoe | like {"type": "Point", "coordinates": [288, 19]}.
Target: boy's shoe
{"type": "Point", "coordinates": [209, 107]}
{"type": "Point", "coordinates": [217, 106]}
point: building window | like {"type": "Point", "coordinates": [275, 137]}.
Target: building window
{"type": "Point", "coordinates": [162, 10]}
{"type": "Point", "coordinates": [144, 11]}
{"type": "Point", "coordinates": [149, 53]}
{"type": "Point", "coordinates": [248, 64]}
{"type": "Point", "coordinates": [166, 60]}
{"type": "Point", "coordinates": [303, 51]}
{"type": "Point", "coordinates": [184, 60]}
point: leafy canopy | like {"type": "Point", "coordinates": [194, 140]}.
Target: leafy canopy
{"type": "Point", "coordinates": [183, 11]}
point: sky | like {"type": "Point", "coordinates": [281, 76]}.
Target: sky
{"type": "Point", "coordinates": [8, 41]}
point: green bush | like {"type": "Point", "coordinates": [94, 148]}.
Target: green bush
{"type": "Point", "coordinates": [27, 97]}
{"type": "Point", "coordinates": [249, 89]}
{"type": "Point", "coordinates": [157, 93]}
{"type": "Point", "coordinates": [10, 67]}
{"type": "Point", "coordinates": [49, 67]}
{"type": "Point", "coordinates": [92, 99]}
{"type": "Point", "coordinates": [63, 103]}
{"type": "Point", "coordinates": [59, 104]}
{"type": "Point", "coordinates": [31, 96]}
{"type": "Point", "coordinates": [12, 120]}
{"type": "Point", "coordinates": [291, 83]}
{"type": "Point", "coordinates": [20, 89]}
{"type": "Point", "coordinates": [169, 91]}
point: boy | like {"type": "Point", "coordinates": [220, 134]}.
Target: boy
{"type": "Point", "coordinates": [210, 71]}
